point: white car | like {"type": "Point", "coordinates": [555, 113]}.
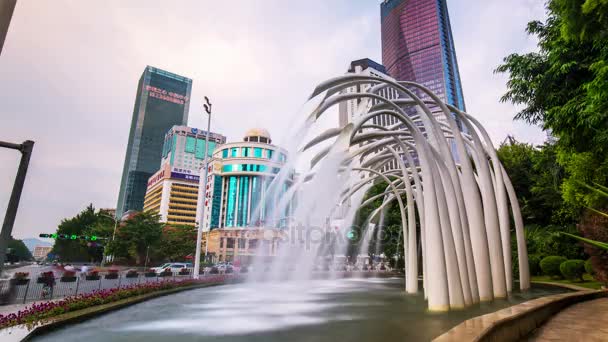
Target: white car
{"type": "Point", "coordinates": [174, 266]}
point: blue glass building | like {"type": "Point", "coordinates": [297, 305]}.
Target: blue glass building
{"type": "Point", "coordinates": [162, 101]}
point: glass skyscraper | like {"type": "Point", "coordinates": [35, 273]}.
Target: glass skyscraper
{"type": "Point", "coordinates": [417, 45]}
{"type": "Point", "coordinates": [162, 101]}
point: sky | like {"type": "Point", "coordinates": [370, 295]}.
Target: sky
{"type": "Point", "coordinates": [69, 73]}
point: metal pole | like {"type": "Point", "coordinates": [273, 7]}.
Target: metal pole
{"type": "Point", "coordinates": [13, 203]}
{"type": "Point", "coordinates": [199, 232]}
{"type": "Point", "coordinates": [103, 258]}
{"type": "Point", "coordinates": [7, 7]}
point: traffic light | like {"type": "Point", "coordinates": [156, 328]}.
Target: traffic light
{"type": "Point", "coordinates": [71, 237]}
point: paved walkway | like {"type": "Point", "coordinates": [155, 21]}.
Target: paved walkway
{"type": "Point", "coordinates": [587, 321]}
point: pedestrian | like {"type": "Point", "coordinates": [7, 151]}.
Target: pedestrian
{"type": "Point", "coordinates": [83, 270]}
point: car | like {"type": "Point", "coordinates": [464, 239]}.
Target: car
{"type": "Point", "coordinates": [175, 267]}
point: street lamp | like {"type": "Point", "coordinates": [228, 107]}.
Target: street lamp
{"type": "Point", "coordinates": [199, 232]}
{"type": "Point", "coordinates": [113, 235]}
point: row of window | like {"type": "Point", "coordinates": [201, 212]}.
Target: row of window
{"type": "Point", "coordinates": [255, 152]}
{"type": "Point", "coordinates": [250, 167]}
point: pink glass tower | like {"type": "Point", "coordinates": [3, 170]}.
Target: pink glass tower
{"type": "Point", "coordinates": [417, 46]}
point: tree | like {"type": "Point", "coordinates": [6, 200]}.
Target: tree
{"type": "Point", "coordinates": [537, 178]}
{"type": "Point", "coordinates": [135, 236]}
{"type": "Point", "coordinates": [564, 88]}
{"type": "Point", "coordinates": [76, 250]}
{"type": "Point", "coordinates": [177, 242]}
{"type": "Point", "coordinates": [18, 251]}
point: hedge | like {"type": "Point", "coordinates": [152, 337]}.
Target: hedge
{"type": "Point", "coordinates": [572, 269]}
{"type": "Point", "coordinates": [550, 265]}
{"type": "Point", "coordinates": [589, 267]}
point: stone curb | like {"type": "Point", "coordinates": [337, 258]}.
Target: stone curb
{"type": "Point", "coordinates": [518, 321]}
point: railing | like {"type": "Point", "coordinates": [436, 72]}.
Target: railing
{"type": "Point", "coordinates": [16, 291]}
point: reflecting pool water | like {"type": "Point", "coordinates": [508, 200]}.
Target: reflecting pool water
{"type": "Point", "coordinates": [372, 309]}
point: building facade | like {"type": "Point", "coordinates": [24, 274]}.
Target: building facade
{"type": "Point", "coordinates": [162, 101]}
{"type": "Point", "coordinates": [172, 195]}
{"type": "Point", "coordinates": [417, 45]}
{"type": "Point", "coordinates": [41, 252]}
{"type": "Point", "coordinates": [238, 180]}
{"type": "Point", "coordinates": [350, 110]}
{"type": "Point", "coordinates": [184, 148]}
{"type": "Point", "coordinates": [172, 192]}
{"type": "Point", "coordinates": [238, 196]}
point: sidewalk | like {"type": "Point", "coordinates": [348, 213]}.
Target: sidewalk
{"type": "Point", "coordinates": [587, 321]}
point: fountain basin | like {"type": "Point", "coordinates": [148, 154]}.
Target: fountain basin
{"type": "Point", "coordinates": [319, 310]}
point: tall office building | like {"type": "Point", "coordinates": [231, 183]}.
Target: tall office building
{"type": "Point", "coordinates": [173, 191]}
{"type": "Point", "coordinates": [417, 45]}
{"type": "Point", "coordinates": [350, 110]}
{"type": "Point", "coordinates": [240, 220]}
{"type": "Point", "coordinates": [162, 101]}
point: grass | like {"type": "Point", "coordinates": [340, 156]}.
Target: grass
{"type": "Point", "coordinates": [587, 282]}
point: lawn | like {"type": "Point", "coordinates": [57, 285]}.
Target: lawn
{"type": "Point", "coordinates": [588, 281]}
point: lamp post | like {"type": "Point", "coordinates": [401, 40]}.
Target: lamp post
{"type": "Point", "coordinates": [13, 203]}
{"type": "Point", "coordinates": [199, 232]}
{"type": "Point", "coordinates": [103, 259]}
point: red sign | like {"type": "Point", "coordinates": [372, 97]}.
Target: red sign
{"type": "Point", "coordinates": [154, 179]}
{"type": "Point", "coordinates": [168, 96]}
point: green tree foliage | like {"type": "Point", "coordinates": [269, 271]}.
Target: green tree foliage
{"type": "Point", "coordinates": [18, 251]}
{"type": "Point", "coordinates": [390, 239]}
{"type": "Point", "coordinates": [87, 222]}
{"type": "Point", "coordinates": [177, 242]}
{"type": "Point", "coordinates": [135, 235]}
{"type": "Point", "coordinates": [537, 178]}
{"type": "Point", "coordinates": [564, 87]}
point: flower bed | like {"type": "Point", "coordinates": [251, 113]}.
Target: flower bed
{"type": "Point", "coordinates": [112, 274]}
{"type": "Point", "coordinates": [20, 278]}
{"type": "Point", "coordinates": [92, 275]}
{"type": "Point", "coordinates": [68, 277]}
{"type": "Point", "coordinates": [46, 278]}
{"type": "Point", "coordinates": [39, 312]}
{"type": "Point", "coordinates": [132, 274]}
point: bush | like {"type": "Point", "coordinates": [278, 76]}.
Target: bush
{"type": "Point", "coordinates": [550, 265]}
{"type": "Point", "coordinates": [573, 269]}
{"type": "Point", "coordinates": [588, 267]}
{"type": "Point", "coordinates": [534, 264]}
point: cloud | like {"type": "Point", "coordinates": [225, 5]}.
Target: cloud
{"type": "Point", "coordinates": [69, 73]}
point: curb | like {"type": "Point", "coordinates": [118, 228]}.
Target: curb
{"type": "Point", "coordinates": [516, 322]}
{"type": "Point", "coordinates": [95, 311]}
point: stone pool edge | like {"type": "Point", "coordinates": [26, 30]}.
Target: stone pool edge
{"type": "Point", "coordinates": [518, 321]}
{"type": "Point", "coordinates": [95, 311]}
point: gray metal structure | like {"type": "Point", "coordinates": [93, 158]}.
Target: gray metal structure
{"type": "Point", "coordinates": [459, 199]}
{"type": "Point", "coordinates": [13, 203]}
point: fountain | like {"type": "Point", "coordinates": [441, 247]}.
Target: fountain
{"type": "Point", "coordinates": [453, 196]}
{"type": "Point", "coordinates": [447, 173]}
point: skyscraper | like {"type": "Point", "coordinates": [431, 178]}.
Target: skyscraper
{"type": "Point", "coordinates": [417, 45]}
{"type": "Point", "coordinates": [162, 101]}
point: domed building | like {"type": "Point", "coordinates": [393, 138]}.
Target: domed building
{"type": "Point", "coordinates": [238, 219]}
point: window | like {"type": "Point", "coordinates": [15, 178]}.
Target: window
{"type": "Point", "coordinates": [257, 152]}
{"type": "Point", "coordinates": [242, 243]}
{"type": "Point", "coordinates": [246, 151]}
{"type": "Point", "coordinates": [225, 153]}
{"type": "Point", "coordinates": [230, 243]}
{"type": "Point", "coordinates": [234, 152]}
{"type": "Point", "coordinates": [253, 244]}
{"type": "Point", "coordinates": [190, 144]}
{"type": "Point", "coordinates": [269, 152]}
